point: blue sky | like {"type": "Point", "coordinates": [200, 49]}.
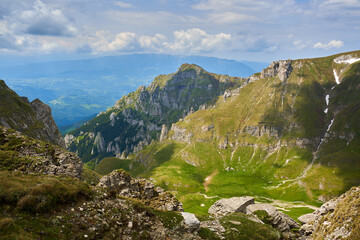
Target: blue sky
{"type": "Point", "coordinates": [256, 30]}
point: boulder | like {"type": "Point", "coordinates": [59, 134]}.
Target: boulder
{"type": "Point", "coordinates": [230, 205]}
{"type": "Point", "coordinates": [307, 218]}
{"type": "Point", "coordinates": [191, 221]}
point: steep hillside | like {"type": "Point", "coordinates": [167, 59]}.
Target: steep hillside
{"type": "Point", "coordinates": [45, 195]}
{"type": "Point", "coordinates": [292, 134]}
{"type": "Point", "coordinates": [33, 119]}
{"type": "Point", "coordinates": [138, 118]}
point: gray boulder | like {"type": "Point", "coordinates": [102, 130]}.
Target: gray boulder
{"type": "Point", "coordinates": [230, 205]}
{"type": "Point", "coordinates": [307, 218]}
{"type": "Point", "coordinates": [191, 221]}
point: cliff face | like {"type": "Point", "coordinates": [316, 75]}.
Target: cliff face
{"type": "Point", "coordinates": [138, 118]}
{"type": "Point", "coordinates": [32, 119]}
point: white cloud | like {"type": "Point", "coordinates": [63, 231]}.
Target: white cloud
{"type": "Point", "coordinates": [190, 41]}
{"type": "Point", "coordinates": [43, 20]}
{"type": "Point", "coordinates": [329, 45]}
{"type": "Point", "coordinates": [231, 17]}
{"type": "Point", "coordinates": [149, 42]}
{"type": "Point", "coordinates": [106, 42]}
{"type": "Point", "coordinates": [122, 4]}
{"type": "Point", "coordinates": [196, 40]}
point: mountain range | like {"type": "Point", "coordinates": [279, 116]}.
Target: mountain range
{"type": "Point", "coordinates": [289, 132]}
{"type": "Point", "coordinates": [77, 89]}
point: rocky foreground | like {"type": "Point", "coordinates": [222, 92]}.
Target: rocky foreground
{"type": "Point", "coordinates": [44, 195]}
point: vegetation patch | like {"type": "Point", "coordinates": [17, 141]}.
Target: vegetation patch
{"type": "Point", "coordinates": [238, 226]}
{"type": "Point", "coordinates": [39, 193]}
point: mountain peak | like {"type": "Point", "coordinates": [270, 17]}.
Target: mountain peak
{"type": "Point", "coordinates": [188, 67]}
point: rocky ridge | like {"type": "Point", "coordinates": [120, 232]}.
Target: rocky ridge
{"type": "Point", "coordinates": [138, 118]}
{"type": "Point", "coordinates": [33, 119]}
{"type": "Point", "coordinates": [21, 153]}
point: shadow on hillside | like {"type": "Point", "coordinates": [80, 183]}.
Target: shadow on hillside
{"type": "Point", "coordinates": [307, 112]}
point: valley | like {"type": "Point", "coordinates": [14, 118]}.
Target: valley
{"type": "Point", "coordinates": [270, 135]}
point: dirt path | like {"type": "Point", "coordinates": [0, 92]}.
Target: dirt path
{"type": "Point", "coordinates": [208, 180]}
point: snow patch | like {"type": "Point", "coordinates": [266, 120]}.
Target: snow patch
{"type": "Point", "coordinates": [327, 130]}
{"type": "Point", "coordinates": [327, 99]}
{"type": "Point", "coordinates": [327, 102]}
{"type": "Point", "coordinates": [336, 77]}
{"type": "Point", "coordinates": [346, 60]}
{"type": "Point", "coordinates": [331, 123]}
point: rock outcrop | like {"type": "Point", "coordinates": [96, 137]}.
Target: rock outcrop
{"type": "Point", "coordinates": [20, 153]}
{"type": "Point", "coordinates": [190, 221]}
{"type": "Point", "coordinates": [32, 119]}
{"type": "Point", "coordinates": [230, 205]}
{"type": "Point", "coordinates": [164, 132]}
{"type": "Point", "coordinates": [338, 218]}
{"type": "Point", "coordinates": [121, 183]}
{"type": "Point", "coordinates": [279, 220]}
{"type": "Point", "coordinates": [281, 68]}
{"type": "Point", "coordinates": [180, 134]}
{"type": "Point", "coordinates": [43, 114]}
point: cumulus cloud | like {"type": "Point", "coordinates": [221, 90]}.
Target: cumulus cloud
{"type": "Point", "coordinates": [9, 41]}
{"type": "Point", "coordinates": [329, 45]}
{"type": "Point", "coordinates": [43, 20]}
{"type": "Point", "coordinates": [192, 40]}
{"type": "Point", "coordinates": [149, 42]}
{"type": "Point", "coordinates": [105, 42]}
{"type": "Point", "coordinates": [197, 40]}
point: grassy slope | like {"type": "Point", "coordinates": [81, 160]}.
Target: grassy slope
{"type": "Point", "coordinates": [263, 166]}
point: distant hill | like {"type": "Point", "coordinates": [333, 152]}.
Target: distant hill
{"type": "Point", "coordinates": [76, 89]}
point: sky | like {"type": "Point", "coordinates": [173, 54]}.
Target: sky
{"type": "Point", "coordinates": [253, 30]}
